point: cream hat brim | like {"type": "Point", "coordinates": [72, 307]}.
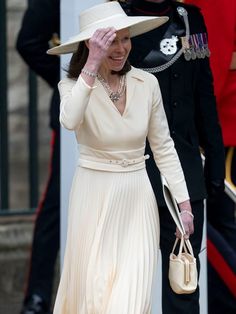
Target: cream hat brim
{"type": "Point", "coordinates": [137, 25]}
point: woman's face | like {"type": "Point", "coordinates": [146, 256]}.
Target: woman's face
{"type": "Point", "coordinates": [118, 51]}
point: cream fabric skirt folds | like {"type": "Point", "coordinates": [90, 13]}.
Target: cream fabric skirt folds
{"type": "Point", "coordinates": [112, 244]}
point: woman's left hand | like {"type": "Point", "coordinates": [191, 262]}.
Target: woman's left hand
{"type": "Point", "coordinates": [187, 219]}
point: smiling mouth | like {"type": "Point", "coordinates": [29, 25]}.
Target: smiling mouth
{"type": "Point", "coordinates": [118, 59]}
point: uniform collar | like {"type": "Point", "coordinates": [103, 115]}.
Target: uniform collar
{"type": "Point", "coordinates": [142, 7]}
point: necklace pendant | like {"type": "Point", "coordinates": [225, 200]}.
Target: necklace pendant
{"type": "Point", "coordinates": [114, 96]}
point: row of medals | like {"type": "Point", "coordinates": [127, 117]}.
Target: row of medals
{"type": "Point", "coordinates": [195, 48]}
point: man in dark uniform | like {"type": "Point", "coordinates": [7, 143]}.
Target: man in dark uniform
{"type": "Point", "coordinates": [221, 214]}
{"type": "Point", "coordinates": [40, 24]}
{"type": "Point", "coordinates": [177, 54]}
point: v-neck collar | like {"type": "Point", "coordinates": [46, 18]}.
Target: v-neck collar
{"type": "Point", "coordinates": [132, 78]}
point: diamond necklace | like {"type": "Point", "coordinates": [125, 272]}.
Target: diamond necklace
{"type": "Point", "coordinates": [114, 96]}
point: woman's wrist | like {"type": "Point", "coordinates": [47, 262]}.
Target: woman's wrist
{"type": "Point", "coordinates": [92, 65]}
{"type": "Point", "coordinates": [185, 206]}
{"type": "Point", "coordinates": [90, 69]}
{"type": "Point", "coordinates": [88, 73]}
{"type": "Point", "coordinates": [185, 211]}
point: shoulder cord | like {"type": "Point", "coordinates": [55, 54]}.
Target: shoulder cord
{"type": "Point", "coordinates": [182, 12]}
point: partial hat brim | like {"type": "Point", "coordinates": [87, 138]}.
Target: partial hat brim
{"type": "Point", "coordinates": [136, 24]}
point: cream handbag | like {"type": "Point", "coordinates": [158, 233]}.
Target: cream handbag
{"type": "Point", "coordinates": [183, 275]}
{"type": "Point", "coordinates": [182, 268]}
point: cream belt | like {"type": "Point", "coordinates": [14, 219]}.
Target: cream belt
{"type": "Point", "coordinates": [116, 165]}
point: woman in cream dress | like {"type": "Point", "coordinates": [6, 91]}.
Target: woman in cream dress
{"type": "Point", "coordinates": [113, 227]}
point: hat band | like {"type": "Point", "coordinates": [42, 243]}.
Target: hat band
{"type": "Point", "coordinates": [82, 29]}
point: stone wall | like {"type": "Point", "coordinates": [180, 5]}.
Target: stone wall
{"type": "Point", "coordinates": [16, 231]}
{"type": "Point", "coordinates": [15, 243]}
{"type": "Point", "coordinates": [15, 239]}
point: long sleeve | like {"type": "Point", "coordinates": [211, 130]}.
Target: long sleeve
{"type": "Point", "coordinates": [163, 149]}
{"type": "Point", "coordinates": [75, 96]}
{"type": "Point", "coordinates": [208, 125]}
{"type": "Point", "coordinates": [209, 129]}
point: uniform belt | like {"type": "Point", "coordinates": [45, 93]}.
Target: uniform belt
{"type": "Point", "coordinates": [113, 164]}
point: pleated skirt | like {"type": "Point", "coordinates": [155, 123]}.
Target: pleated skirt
{"type": "Point", "coordinates": [112, 244]}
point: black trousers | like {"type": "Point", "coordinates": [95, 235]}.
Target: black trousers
{"type": "Point", "coordinates": [173, 303]}
{"type": "Point", "coordinates": [221, 273]}
{"type": "Point", "coordinates": [46, 238]}
{"type": "Point", "coordinates": [222, 224]}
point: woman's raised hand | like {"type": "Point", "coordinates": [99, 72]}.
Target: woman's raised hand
{"type": "Point", "coordinates": [99, 44]}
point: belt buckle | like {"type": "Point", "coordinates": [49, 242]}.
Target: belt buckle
{"type": "Point", "coordinates": [124, 163]}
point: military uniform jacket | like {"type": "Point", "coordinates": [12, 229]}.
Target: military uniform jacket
{"type": "Point", "coordinates": [189, 102]}
{"type": "Point", "coordinates": [41, 21]}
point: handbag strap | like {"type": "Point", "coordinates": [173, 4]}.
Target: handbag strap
{"type": "Point", "coordinates": [189, 246]}
{"type": "Point", "coordinates": [183, 258]}
{"type": "Point", "coordinates": [181, 246]}
{"type": "Point", "coordinates": [185, 245]}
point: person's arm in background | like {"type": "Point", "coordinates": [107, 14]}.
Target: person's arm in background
{"type": "Point", "coordinates": [209, 128]}
{"type": "Point", "coordinates": [43, 16]}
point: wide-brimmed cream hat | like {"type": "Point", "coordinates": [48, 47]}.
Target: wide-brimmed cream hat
{"type": "Point", "coordinates": [108, 14]}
